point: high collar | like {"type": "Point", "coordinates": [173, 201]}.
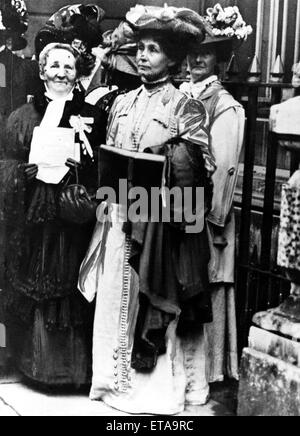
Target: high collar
{"type": "Point", "coordinates": [152, 87]}
{"type": "Point", "coordinates": [53, 97]}
{"type": "Point", "coordinates": [195, 90]}
{"type": "Point", "coordinates": [72, 106]}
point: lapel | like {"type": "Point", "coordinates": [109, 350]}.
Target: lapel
{"type": "Point", "coordinates": [162, 113]}
{"type": "Point", "coordinates": [128, 102]}
{"type": "Point", "coordinates": [211, 91]}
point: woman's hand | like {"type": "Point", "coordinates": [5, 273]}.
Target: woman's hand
{"type": "Point", "coordinates": [219, 239]}
{"type": "Point", "coordinates": [74, 166]}
{"type": "Point", "coordinates": [31, 171]}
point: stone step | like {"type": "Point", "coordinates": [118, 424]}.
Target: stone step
{"type": "Point", "coordinates": [268, 386]}
{"type": "Point", "coordinates": [274, 345]}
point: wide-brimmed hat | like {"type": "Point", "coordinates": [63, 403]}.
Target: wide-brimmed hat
{"type": "Point", "coordinates": [225, 30]}
{"type": "Point", "coordinates": [225, 25]}
{"type": "Point", "coordinates": [72, 22]}
{"type": "Point", "coordinates": [121, 48]}
{"type": "Point", "coordinates": [14, 22]}
{"type": "Point", "coordinates": [182, 22]}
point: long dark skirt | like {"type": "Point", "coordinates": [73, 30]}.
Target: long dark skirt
{"type": "Point", "coordinates": [53, 357]}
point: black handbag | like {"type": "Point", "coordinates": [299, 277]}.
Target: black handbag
{"type": "Point", "coordinates": [76, 205]}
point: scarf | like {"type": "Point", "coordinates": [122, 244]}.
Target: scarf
{"type": "Point", "coordinates": [70, 106]}
{"type": "Point", "coordinates": [55, 109]}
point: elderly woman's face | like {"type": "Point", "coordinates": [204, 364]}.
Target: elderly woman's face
{"type": "Point", "coordinates": [153, 63]}
{"type": "Point", "coordinates": [201, 64]}
{"type": "Point", "coordinates": [60, 72]}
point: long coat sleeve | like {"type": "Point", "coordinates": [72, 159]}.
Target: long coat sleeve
{"type": "Point", "coordinates": [227, 133]}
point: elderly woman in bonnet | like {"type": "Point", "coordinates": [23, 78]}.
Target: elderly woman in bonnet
{"type": "Point", "coordinates": [151, 297]}
{"type": "Point", "coordinates": [80, 26]}
{"type": "Point", "coordinates": [224, 28]}
{"type": "Point", "coordinates": [46, 246]}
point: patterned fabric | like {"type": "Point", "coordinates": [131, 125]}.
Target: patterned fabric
{"type": "Point", "coordinates": [289, 234]}
{"type": "Point", "coordinates": [172, 114]}
{"type": "Point", "coordinates": [121, 376]}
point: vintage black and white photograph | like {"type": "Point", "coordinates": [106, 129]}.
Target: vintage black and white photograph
{"type": "Point", "coordinates": [150, 210]}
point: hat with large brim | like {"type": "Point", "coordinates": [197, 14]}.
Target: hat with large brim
{"type": "Point", "coordinates": [121, 50]}
{"type": "Point", "coordinates": [225, 25]}
{"type": "Point", "coordinates": [182, 22]}
{"type": "Point", "coordinates": [18, 41]}
{"type": "Point", "coordinates": [72, 22]}
{"type": "Point", "coordinates": [223, 46]}
{"type": "Point", "coordinates": [14, 23]}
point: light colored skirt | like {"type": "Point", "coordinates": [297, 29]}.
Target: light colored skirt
{"type": "Point", "coordinates": [221, 335]}
{"type": "Point", "coordinates": [175, 381]}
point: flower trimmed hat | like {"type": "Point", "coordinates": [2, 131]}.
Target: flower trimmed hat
{"type": "Point", "coordinates": [225, 25]}
{"type": "Point", "coordinates": [224, 28]}
{"type": "Point", "coordinates": [82, 22]}
{"type": "Point", "coordinates": [14, 22]}
{"type": "Point", "coordinates": [174, 28]}
{"type": "Point", "coordinates": [182, 22]}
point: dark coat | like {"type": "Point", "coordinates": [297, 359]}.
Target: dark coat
{"type": "Point", "coordinates": [19, 78]}
{"type": "Point", "coordinates": [43, 253]}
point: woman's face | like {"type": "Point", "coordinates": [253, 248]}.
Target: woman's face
{"type": "Point", "coordinates": [202, 64]}
{"type": "Point", "coordinates": [153, 63]}
{"type": "Point", "coordinates": [60, 72]}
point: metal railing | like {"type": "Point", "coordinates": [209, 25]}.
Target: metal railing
{"type": "Point", "coordinates": [260, 283]}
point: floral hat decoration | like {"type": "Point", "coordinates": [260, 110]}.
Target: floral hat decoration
{"type": "Point", "coordinates": [14, 22]}
{"type": "Point", "coordinates": [224, 24]}
{"type": "Point", "coordinates": [183, 22]}
{"type": "Point", "coordinates": [72, 22]}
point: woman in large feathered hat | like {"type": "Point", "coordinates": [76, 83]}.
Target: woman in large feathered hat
{"type": "Point", "coordinates": [149, 316]}
{"type": "Point", "coordinates": [18, 76]}
{"type": "Point", "coordinates": [13, 24]}
{"type": "Point", "coordinates": [80, 26]}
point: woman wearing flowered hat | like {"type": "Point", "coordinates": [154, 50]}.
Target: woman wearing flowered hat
{"type": "Point", "coordinates": [18, 76]}
{"type": "Point", "coordinates": [14, 23]}
{"type": "Point", "coordinates": [149, 317]}
{"type": "Point", "coordinates": [80, 26]}
{"type": "Point", "coordinates": [46, 237]}
{"type": "Point", "coordinates": [227, 120]}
